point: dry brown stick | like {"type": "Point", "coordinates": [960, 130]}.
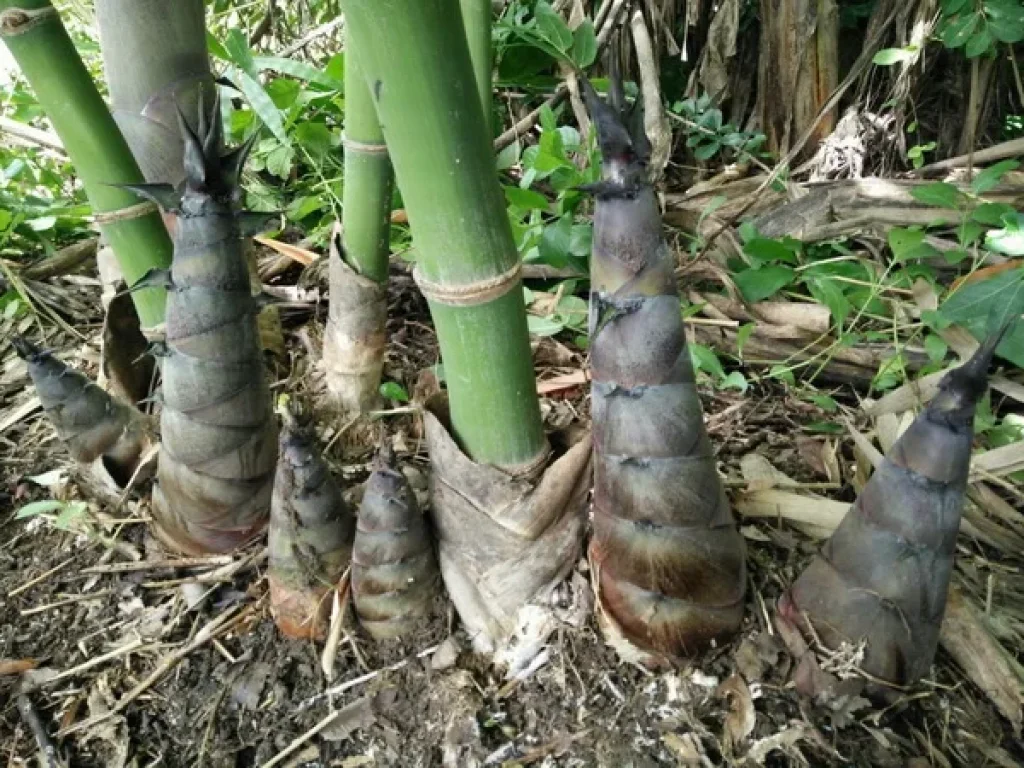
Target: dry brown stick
{"type": "Point", "coordinates": [41, 577]}
{"type": "Point", "coordinates": [47, 748]}
{"type": "Point", "coordinates": [30, 134]}
{"type": "Point", "coordinates": [153, 565]}
{"type": "Point", "coordinates": [862, 62]}
{"type": "Point", "coordinates": [206, 633]}
{"type": "Point", "coordinates": [63, 262]}
{"type": "Point", "coordinates": [298, 741]}
{"type": "Point", "coordinates": [1011, 148]}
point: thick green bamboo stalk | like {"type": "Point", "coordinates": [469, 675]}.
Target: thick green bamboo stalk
{"type": "Point", "coordinates": [368, 178]}
{"type": "Point", "coordinates": [155, 58]}
{"type": "Point", "coordinates": [419, 71]}
{"type": "Point", "coordinates": [476, 17]}
{"type": "Point", "coordinates": [39, 43]}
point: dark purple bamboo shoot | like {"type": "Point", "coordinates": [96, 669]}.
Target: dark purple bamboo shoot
{"type": "Point", "coordinates": [310, 538]}
{"type": "Point", "coordinates": [94, 426]}
{"type": "Point", "coordinates": [670, 563]}
{"type": "Point", "coordinates": [394, 571]}
{"type": "Point", "coordinates": [219, 437]}
{"type": "Point", "coordinates": [883, 576]}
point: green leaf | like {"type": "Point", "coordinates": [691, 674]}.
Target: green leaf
{"type": "Point", "coordinates": [509, 156]}
{"type": "Point", "coordinates": [742, 335]}
{"type": "Point", "coordinates": [239, 53]}
{"type": "Point", "coordinates": [283, 92]}
{"type": "Point", "coordinates": [957, 31]}
{"type": "Point", "coordinates": [825, 402]}
{"type": "Point", "coordinates": [760, 283]}
{"type": "Point", "coordinates": [735, 380]}
{"type": "Point", "coordinates": [949, 7]}
{"type": "Point", "coordinates": [392, 390]}
{"type": "Point", "coordinates": [214, 46]}
{"type": "Point", "coordinates": [543, 326]}
{"type": "Point", "coordinates": [908, 244]}
{"type": "Point", "coordinates": [707, 151]}
{"type": "Point", "coordinates": [979, 43]}
{"type": "Point", "coordinates": [315, 138]}
{"type": "Point", "coordinates": [889, 56]}
{"type": "Point", "coordinates": [555, 240]}
{"type": "Point", "coordinates": [764, 250]}
{"type": "Point", "coordinates": [981, 305]}
{"type": "Point", "coordinates": [552, 27]}
{"type": "Point", "coordinates": [825, 427]}
{"type": "Point", "coordinates": [940, 194]}
{"type": "Point", "coordinates": [935, 348]}
{"type": "Point", "coordinates": [991, 176]}
{"type": "Point", "coordinates": [262, 105]}
{"type": "Point", "coordinates": [38, 508]}
{"type": "Point", "coordinates": [829, 293]}
{"type": "Point", "coordinates": [992, 214]}
{"type": "Point", "coordinates": [280, 161]}
{"type": "Point", "coordinates": [584, 45]}
{"type": "Point", "coordinates": [297, 69]}
{"type": "Point", "coordinates": [526, 199]}
{"type": "Point", "coordinates": [704, 359]}
{"type": "Point", "coordinates": [71, 512]}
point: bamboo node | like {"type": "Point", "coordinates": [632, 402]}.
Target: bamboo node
{"type": "Point", "coordinates": [361, 146]}
{"type": "Point", "coordinates": [136, 211]}
{"type": "Point", "coordinates": [18, 21]}
{"type": "Point", "coordinates": [469, 294]}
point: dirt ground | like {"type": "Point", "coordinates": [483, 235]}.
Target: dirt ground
{"type": "Point", "coordinates": [96, 637]}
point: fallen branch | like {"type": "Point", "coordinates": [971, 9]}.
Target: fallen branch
{"type": "Point", "coordinates": [31, 135]}
{"type": "Point", "coordinates": [1011, 148]}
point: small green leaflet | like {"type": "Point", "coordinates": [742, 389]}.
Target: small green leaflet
{"type": "Point", "coordinates": [394, 391]}
{"type": "Point", "coordinates": [760, 283]}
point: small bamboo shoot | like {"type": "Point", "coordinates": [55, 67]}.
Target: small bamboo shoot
{"type": "Point", "coordinates": [394, 571]}
{"type": "Point", "coordinates": [884, 575]}
{"type": "Point", "coordinates": [95, 426]}
{"type": "Point", "coordinates": [310, 538]}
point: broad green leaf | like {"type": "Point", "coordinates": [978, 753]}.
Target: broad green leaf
{"type": "Point", "coordinates": [280, 161]}
{"type": "Point", "coordinates": [214, 46]}
{"type": "Point", "coordinates": [526, 199]}
{"type": "Point", "coordinates": [982, 305]}
{"type": "Point", "coordinates": [829, 293]}
{"type": "Point", "coordinates": [71, 512]}
{"type": "Point", "coordinates": [584, 45]}
{"type": "Point", "coordinates": [907, 244]}
{"type": "Point", "coordinates": [765, 250]}
{"type": "Point", "coordinates": [735, 380]}
{"type": "Point", "coordinates": [940, 194]}
{"type": "Point", "coordinates": [825, 402]}
{"type": "Point", "coordinates": [992, 214]}
{"type": "Point", "coordinates": [889, 56]}
{"type": "Point", "coordinates": [509, 156]}
{"type": "Point", "coordinates": [552, 27]}
{"type": "Point", "coordinates": [990, 177]}
{"type": "Point", "coordinates": [543, 326]}
{"type": "Point", "coordinates": [760, 283]}
{"type": "Point", "coordinates": [959, 30]}
{"type": "Point", "coordinates": [38, 508]}
{"type": "Point", "coordinates": [707, 151]}
{"type": "Point", "coordinates": [704, 359]}
{"type": "Point", "coordinates": [392, 390]}
{"type": "Point", "coordinates": [283, 92]}
{"type": "Point", "coordinates": [979, 43]}
{"type": "Point", "coordinates": [315, 138]}
{"type": "Point", "coordinates": [935, 347]}
{"type": "Point", "coordinates": [297, 69]}
{"type": "Point", "coordinates": [949, 7]}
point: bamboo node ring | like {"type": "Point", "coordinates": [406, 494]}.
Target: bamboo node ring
{"type": "Point", "coordinates": [469, 294]}
{"type": "Point", "coordinates": [360, 146]}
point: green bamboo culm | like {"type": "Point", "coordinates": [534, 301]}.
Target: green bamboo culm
{"type": "Point", "coordinates": [36, 37]}
{"type": "Point", "coordinates": [418, 68]}
{"type": "Point", "coordinates": [476, 18]}
{"type": "Point", "coordinates": [368, 179]}
{"type": "Point", "coordinates": [355, 338]}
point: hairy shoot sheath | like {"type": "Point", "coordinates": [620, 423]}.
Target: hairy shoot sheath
{"type": "Point", "coordinates": [310, 538]}
{"type": "Point", "coordinates": [394, 571]}
{"type": "Point", "coordinates": [219, 438]}
{"type": "Point", "coordinates": [883, 576]}
{"type": "Point", "coordinates": [93, 425]}
{"type": "Point", "coordinates": [670, 570]}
